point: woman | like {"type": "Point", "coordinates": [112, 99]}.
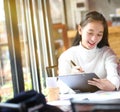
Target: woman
{"type": "Point", "coordinates": [93, 53]}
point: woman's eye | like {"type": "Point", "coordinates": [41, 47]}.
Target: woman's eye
{"type": "Point", "coordinates": [90, 33]}
{"type": "Point", "coordinates": [100, 35]}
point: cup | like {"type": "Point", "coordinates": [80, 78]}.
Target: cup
{"type": "Point", "coordinates": [52, 88]}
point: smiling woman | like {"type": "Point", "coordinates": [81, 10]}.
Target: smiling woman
{"type": "Point", "coordinates": [92, 34]}
{"type": "Point", "coordinates": [92, 53]}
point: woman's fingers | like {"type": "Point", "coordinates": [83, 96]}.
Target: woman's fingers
{"type": "Point", "coordinates": [77, 69]}
{"type": "Point", "coordinates": [95, 82]}
{"type": "Point", "coordinates": [102, 84]}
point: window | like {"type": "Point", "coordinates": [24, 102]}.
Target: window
{"type": "Point", "coordinates": [25, 46]}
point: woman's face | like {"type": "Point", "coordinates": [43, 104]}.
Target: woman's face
{"type": "Point", "coordinates": [91, 34]}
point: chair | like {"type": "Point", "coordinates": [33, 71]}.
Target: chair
{"type": "Point", "coordinates": [106, 108]}
{"type": "Point", "coordinates": [29, 101]}
{"type": "Point", "coordinates": [52, 70]}
{"type": "Point", "coordinates": [12, 107]}
{"type": "Point", "coordinates": [97, 106]}
{"type": "Point", "coordinates": [26, 101]}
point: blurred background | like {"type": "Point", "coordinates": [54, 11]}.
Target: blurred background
{"type": "Point", "coordinates": [33, 34]}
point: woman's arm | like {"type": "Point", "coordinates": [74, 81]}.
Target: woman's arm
{"type": "Point", "coordinates": [112, 80]}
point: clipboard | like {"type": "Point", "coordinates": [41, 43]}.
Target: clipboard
{"type": "Point", "coordinates": [79, 82]}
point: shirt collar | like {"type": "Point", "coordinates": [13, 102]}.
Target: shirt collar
{"type": "Point", "coordinates": [87, 50]}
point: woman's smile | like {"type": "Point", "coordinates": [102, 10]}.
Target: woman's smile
{"type": "Point", "coordinates": [91, 34]}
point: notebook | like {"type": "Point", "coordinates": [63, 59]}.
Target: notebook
{"type": "Point", "coordinates": [79, 82]}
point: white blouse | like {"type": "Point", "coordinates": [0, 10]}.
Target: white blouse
{"type": "Point", "coordinates": [101, 61]}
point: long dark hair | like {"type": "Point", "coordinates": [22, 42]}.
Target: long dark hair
{"type": "Point", "coordinates": [90, 17]}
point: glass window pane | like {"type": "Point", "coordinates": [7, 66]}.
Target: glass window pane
{"type": "Point", "coordinates": [6, 87]}
{"type": "Point", "coordinates": [24, 44]}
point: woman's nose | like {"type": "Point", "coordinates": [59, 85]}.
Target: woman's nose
{"type": "Point", "coordinates": [94, 38]}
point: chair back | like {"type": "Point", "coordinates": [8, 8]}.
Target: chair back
{"type": "Point", "coordinates": [95, 106]}
{"type": "Point", "coordinates": [52, 70]}
{"type": "Point", "coordinates": [5, 107]}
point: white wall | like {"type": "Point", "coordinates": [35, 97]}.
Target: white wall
{"type": "Point", "coordinates": [74, 13]}
{"type": "Point", "coordinates": [106, 7]}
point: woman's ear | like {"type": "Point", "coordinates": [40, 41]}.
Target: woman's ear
{"type": "Point", "coordinates": [79, 29]}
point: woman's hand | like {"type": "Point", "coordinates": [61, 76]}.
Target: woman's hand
{"type": "Point", "coordinates": [102, 84]}
{"type": "Point", "coordinates": [77, 69]}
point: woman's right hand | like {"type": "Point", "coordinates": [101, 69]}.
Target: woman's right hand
{"type": "Point", "coordinates": [77, 70]}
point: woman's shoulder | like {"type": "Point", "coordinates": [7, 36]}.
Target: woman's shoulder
{"type": "Point", "coordinates": [107, 50]}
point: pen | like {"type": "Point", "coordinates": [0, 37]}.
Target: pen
{"type": "Point", "coordinates": [73, 63]}
{"type": "Point", "coordinates": [80, 69]}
